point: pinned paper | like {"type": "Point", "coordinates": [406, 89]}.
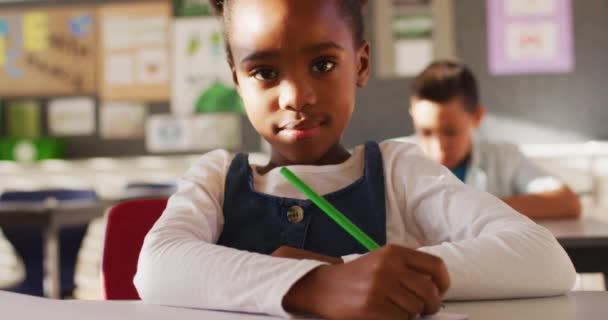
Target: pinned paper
{"type": "Point", "coordinates": [412, 55]}
{"type": "Point", "coordinates": [135, 51]}
{"type": "Point", "coordinates": [119, 69]}
{"type": "Point", "coordinates": [23, 118]}
{"type": "Point", "coordinates": [202, 81]}
{"type": "Point", "coordinates": [168, 133]}
{"type": "Point", "coordinates": [116, 33]}
{"type": "Point", "coordinates": [532, 41]}
{"type": "Point", "coordinates": [150, 31]}
{"type": "Point", "coordinates": [122, 120]}
{"type": "Point", "coordinates": [188, 8]}
{"type": "Point", "coordinates": [152, 66]}
{"type": "Point", "coordinates": [81, 25]}
{"type": "Point", "coordinates": [3, 28]}
{"type": "Point", "coordinates": [71, 116]}
{"type": "Point", "coordinates": [523, 8]}
{"type": "Point", "coordinates": [217, 130]}
{"type": "Point", "coordinates": [530, 36]}
{"type": "Point", "coordinates": [36, 31]}
{"type": "Point", "coordinates": [2, 51]}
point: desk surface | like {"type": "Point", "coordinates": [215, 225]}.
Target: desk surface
{"type": "Point", "coordinates": [42, 214]}
{"type": "Point", "coordinates": [587, 305]}
{"type": "Point", "coordinates": [582, 232]}
{"type": "Point", "coordinates": [574, 306]}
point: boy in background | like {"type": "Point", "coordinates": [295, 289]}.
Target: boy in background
{"type": "Point", "coordinates": [446, 111]}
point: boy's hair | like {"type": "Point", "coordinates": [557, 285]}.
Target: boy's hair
{"type": "Point", "coordinates": [445, 80]}
{"type": "Point", "coordinates": [351, 10]}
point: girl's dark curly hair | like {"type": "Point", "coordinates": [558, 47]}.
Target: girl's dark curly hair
{"type": "Point", "coordinates": [351, 10]}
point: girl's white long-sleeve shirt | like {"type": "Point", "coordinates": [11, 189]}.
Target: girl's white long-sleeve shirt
{"type": "Point", "coordinates": [490, 250]}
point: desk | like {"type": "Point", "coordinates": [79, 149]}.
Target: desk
{"type": "Point", "coordinates": [585, 240]}
{"type": "Point", "coordinates": [576, 305]}
{"type": "Point", "coordinates": [51, 216]}
{"type": "Point", "coordinates": [583, 305]}
{"type": "Point", "coordinates": [22, 307]}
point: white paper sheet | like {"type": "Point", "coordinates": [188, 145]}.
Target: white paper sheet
{"type": "Point", "coordinates": [167, 133]}
{"type": "Point", "coordinates": [171, 133]}
{"type": "Point", "coordinates": [119, 69]}
{"type": "Point", "coordinates": [116, 33]}
{"type": "Point", "coordinates": [532, 41]}
{"type": "Point", "coordinates": [217, 130]}
{"type": "Point", "coordinates": [71, 116]}
{"type": "Point", "coordinates": [152, 66]}
{"type": "Point", "coordinates": [445, 316]}
{"type": "Point", "coordinates": [120, 120]}
{"type": "Point", "coordinates": [412, 55]}
{"type": "Point", "coordinates": [199, 59]}
{"type": "Point", "coordinates": [522, 8]}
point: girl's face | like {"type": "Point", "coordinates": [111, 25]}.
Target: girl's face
{"type": "Point", "coordinates": [296, 67]}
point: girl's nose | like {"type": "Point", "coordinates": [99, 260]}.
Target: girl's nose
{"type": "Point", "coordinates": [296, 95]}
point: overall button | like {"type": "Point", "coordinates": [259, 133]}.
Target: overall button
{"type": "Point", "coordinates": [295, 214]}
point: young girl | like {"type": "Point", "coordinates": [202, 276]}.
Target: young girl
{"type": "Point", "coordinates": [240, 237]}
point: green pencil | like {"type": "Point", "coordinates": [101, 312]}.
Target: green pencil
{"type": "Point", "coordinates": [331, 211]}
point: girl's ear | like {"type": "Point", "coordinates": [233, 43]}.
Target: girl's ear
{"type": "Point", "coordinates": [363, 64]}
{"type": "Point", "coordinates": [235, 79]}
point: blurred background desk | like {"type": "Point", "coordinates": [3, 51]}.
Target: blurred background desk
{"type": "Point", "coordinates": [113, 179]}
{"type": "Point", "coordinates": [585, 240]}
{"type": "Point", "coordinates": [50, 217]}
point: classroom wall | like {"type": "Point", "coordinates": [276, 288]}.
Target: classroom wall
{"type": "Point", "coordinates": [524, 109]}
{"type": "Point", "coordinates": [532, 108]}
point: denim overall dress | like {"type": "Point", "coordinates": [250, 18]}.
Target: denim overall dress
{"type": "Point", "coordinates": [262, 223]}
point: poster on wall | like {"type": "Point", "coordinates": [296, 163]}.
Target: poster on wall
{"type": "Point", "coordinates": [173, 133]}
{"type": "Point", "coordinates": [190, 8]}
{"type": "Point", "coordinates": [410, 34]}
{"type": "Point", "coordinates": [47, 51]}
{"type": "Point", "coordinates": [413, 34]}
{"type": "Point", "coordinates": [217, 130]}
{"type": "Point", "coordinates": [122, 120]}
{"type": "Point", "coordinates": [527, 37]}
{"type": "Point", "coordinates": [23, 118]}
{"type": "Point", "coordinates": [71, 116]}
{"type": "Point", "coordinates": [202, 81]}
{"type": "Point", "coordinates": [135, 59]}
{"type": "Point", "coordinates": [168, 133]}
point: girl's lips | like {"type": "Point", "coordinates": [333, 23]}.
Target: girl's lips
{"type": "Point", "coordinates": [301, 124]}
{"type": "Point", "coordinates": [301, 132]}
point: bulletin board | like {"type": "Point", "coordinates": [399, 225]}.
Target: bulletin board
{"type": "Point", "coordinates": [134, 60]}
{"type": "Point", "coordinates": [47, 51]}
{"type": "Point", "coordinates": [417, 32]}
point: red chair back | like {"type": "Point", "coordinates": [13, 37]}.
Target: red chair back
{"type": "Point", "coordinates": [128, 223]}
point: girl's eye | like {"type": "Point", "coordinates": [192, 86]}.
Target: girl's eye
{"type": "Point", "coordinates": [264, 74]}
{"type": "Point", "coordinates": [323, 66]}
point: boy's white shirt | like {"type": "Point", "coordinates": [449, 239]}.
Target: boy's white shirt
{"type": "Point", "coordinates": [502, 170]}
{"type": "Point", "coordinates": [490, 250]}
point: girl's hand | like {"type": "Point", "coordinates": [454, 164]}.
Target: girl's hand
{"type": "Point", "coordinates": [389, 283]}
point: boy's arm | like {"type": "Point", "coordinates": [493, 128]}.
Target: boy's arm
{"type": "Point", "coordinates": [558, 203]}
{"type": "Point", "coordinates": [537, 193]}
